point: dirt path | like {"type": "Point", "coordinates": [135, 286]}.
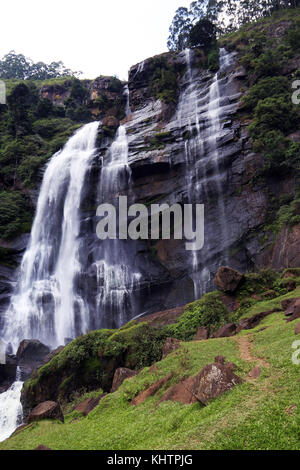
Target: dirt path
{"type": "Point", "coordinates": [245, 346]}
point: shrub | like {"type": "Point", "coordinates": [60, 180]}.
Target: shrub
{"type": "Point", "coordinates": [266, 88]}
{"type": "Point", "coordinates": [15, 214]}
{"type": "Point", "coordinates": [209, 311]}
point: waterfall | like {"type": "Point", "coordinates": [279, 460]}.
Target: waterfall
{"type": "Point", "coordinates": [116, 276]}
{"type": "Point", "coordinates": [127, 108]}
{"type": "Point", "coordinates": [10, 408]}
{"type": "Point", "coordinates": [45, 305]}
{"type": "Point", "coordinates": [199, 112]}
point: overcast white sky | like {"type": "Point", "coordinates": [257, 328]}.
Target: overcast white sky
{"type": "Point", "coordinates": [98, 37]}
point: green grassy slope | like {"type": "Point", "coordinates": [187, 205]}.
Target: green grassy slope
{"type": "Point", "coordinates": [259, 414]}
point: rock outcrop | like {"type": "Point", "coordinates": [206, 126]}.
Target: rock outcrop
{"type": "Point", "coordinates": [228, 279]}
{"type": "Point", "coordinates": [202, 333]}
{"type": "Point", "coordinates": [225, 331]}
{"type": "Point", "coordinates": [252, 322]}
{"type": "Point", "coordinates": [46, 410]}
{"type": "Point", "coordinates": [31, 353]}
{"type": "Point", "coordinates": [214, 380]}
{"type": "Point", "coordinates": [171, 344]}
{"type": "Point", "coordinates": [121, 374]}
{"type": "Point", "coordinates": [89, 404]}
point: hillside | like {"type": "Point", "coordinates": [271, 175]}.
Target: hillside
{"type": "Point", "coordinates": [208, 340]}
{"type": "Point", "coordinates": [261, 413]}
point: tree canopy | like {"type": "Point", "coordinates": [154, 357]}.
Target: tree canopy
{"type": "Point", "coordinates": [225, 16]}
{"type": "Point", "coordinates": [19, 67]}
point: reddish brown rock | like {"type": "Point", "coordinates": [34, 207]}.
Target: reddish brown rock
{"type": "Point", "coordinates": [231, 302]}
{"type": "Point", "coordinates": [256, 297]}
{"type": "Point", "coordinates": [46, 410]}
{"type": "Point", "coordinates": [171, 344]}
{"type": "Point", "coordinates": [287, 302]}
{"type": "Point", "coordinates": [121, 374]}
{"type": "Point", "coordinates": [284, 252]}
{"type": "Point", "coordinates": [297, 329]}
{"type": "Point", "coordinates": [252, 322]}
{"type": "Point", "coordinates": [202, 333]}
{"type": "Point", "coordinates": [293, 308]}
{"type": "Point", "coordinates": [255, 372]}
{"type": "Point", "coordinates": [289, 274]}
{"type": "Point", "coordinates": [269, 294]}
{"type": "Point", "coordinates": [225, 331]}
{"type": "Point", "coordinates": [89, 404]}
{"type": "Point", "coordinates": [149, 392]}
{"type": "Point", "coordinates": [42, 447]}
{"type": "Point", "coordinates": [163, 318]}
{"type": "Point", "coordinates": [214, 380]}
{"type": "Point", "coordinates": [228, 279]}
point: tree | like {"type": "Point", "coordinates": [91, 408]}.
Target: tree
{"type": "Point", "coordinates": [203, 34]}
{"type": "Point", "coordinates": [185, 20]}
{"type": "Point", "coordinates": [17, 66]}
{"type": "Point", "coordinates": [226, 16]}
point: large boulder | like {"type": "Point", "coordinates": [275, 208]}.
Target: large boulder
{"type": "Point", "coordinates": [31, 353]}
{"type": "Point", "coordinates": [228, 279]}
{"type": "Point", "coordinates": [46, 410]}
{"type": "Point", "coordinates": [225, 331]}
{"type": "Point", "coordinates": [120, 375]}
{"type": "Point", "coordinates": [89, 404]}
{"type": "Point", "coordinates": [170, 345]}
{"type": "Point", "coordinates": [293, 309]}
{"type": "Point", "coordinates": [213, 380]}
{"type": "Point", "coordinates": [32, 350]}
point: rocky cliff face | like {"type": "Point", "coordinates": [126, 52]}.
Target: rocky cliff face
{"type": "Point", "coordinates": [186, 144]}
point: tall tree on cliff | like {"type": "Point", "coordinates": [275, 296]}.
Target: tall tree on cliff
{"type": "Point", "coordinates": [186, 19]}
{"type": "Point", "coordinates": [226, 16]}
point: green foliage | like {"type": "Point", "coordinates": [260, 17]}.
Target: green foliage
{"type": "Point", "coordinates": [159, 140]}
{"type": "Point", "coordinates": [15, 216]}
{"type": "Point", "coordinates": [17, 66]}
{"type": "Point", "coordinates": [274, 113]}
{"type": "Point", "coordinates": [48, 128]}
{"type": "Point", "coordinates": [269, 87]}
{"type": "Point", "coordinates": [213, 59]}
{"type": "Point", "coordinates": [209, 311]}
{"type": "Point", "coordinates": [89, 361]}
{"type": "Point", "coordinates": [202, 34]}
{"type": "Point", "coordinates": [163, 82]}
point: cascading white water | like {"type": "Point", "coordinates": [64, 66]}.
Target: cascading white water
{"type": "Point", "coordinates": [116, 276]}
{"type": "Point", "coordinates": [127, 108]}
{"type": "Point", "coordinates": [199, 112]}
{"type": "Point", "coordinates": [45, 305]}
{"type": "Point", "coordinates": [11, 414]}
